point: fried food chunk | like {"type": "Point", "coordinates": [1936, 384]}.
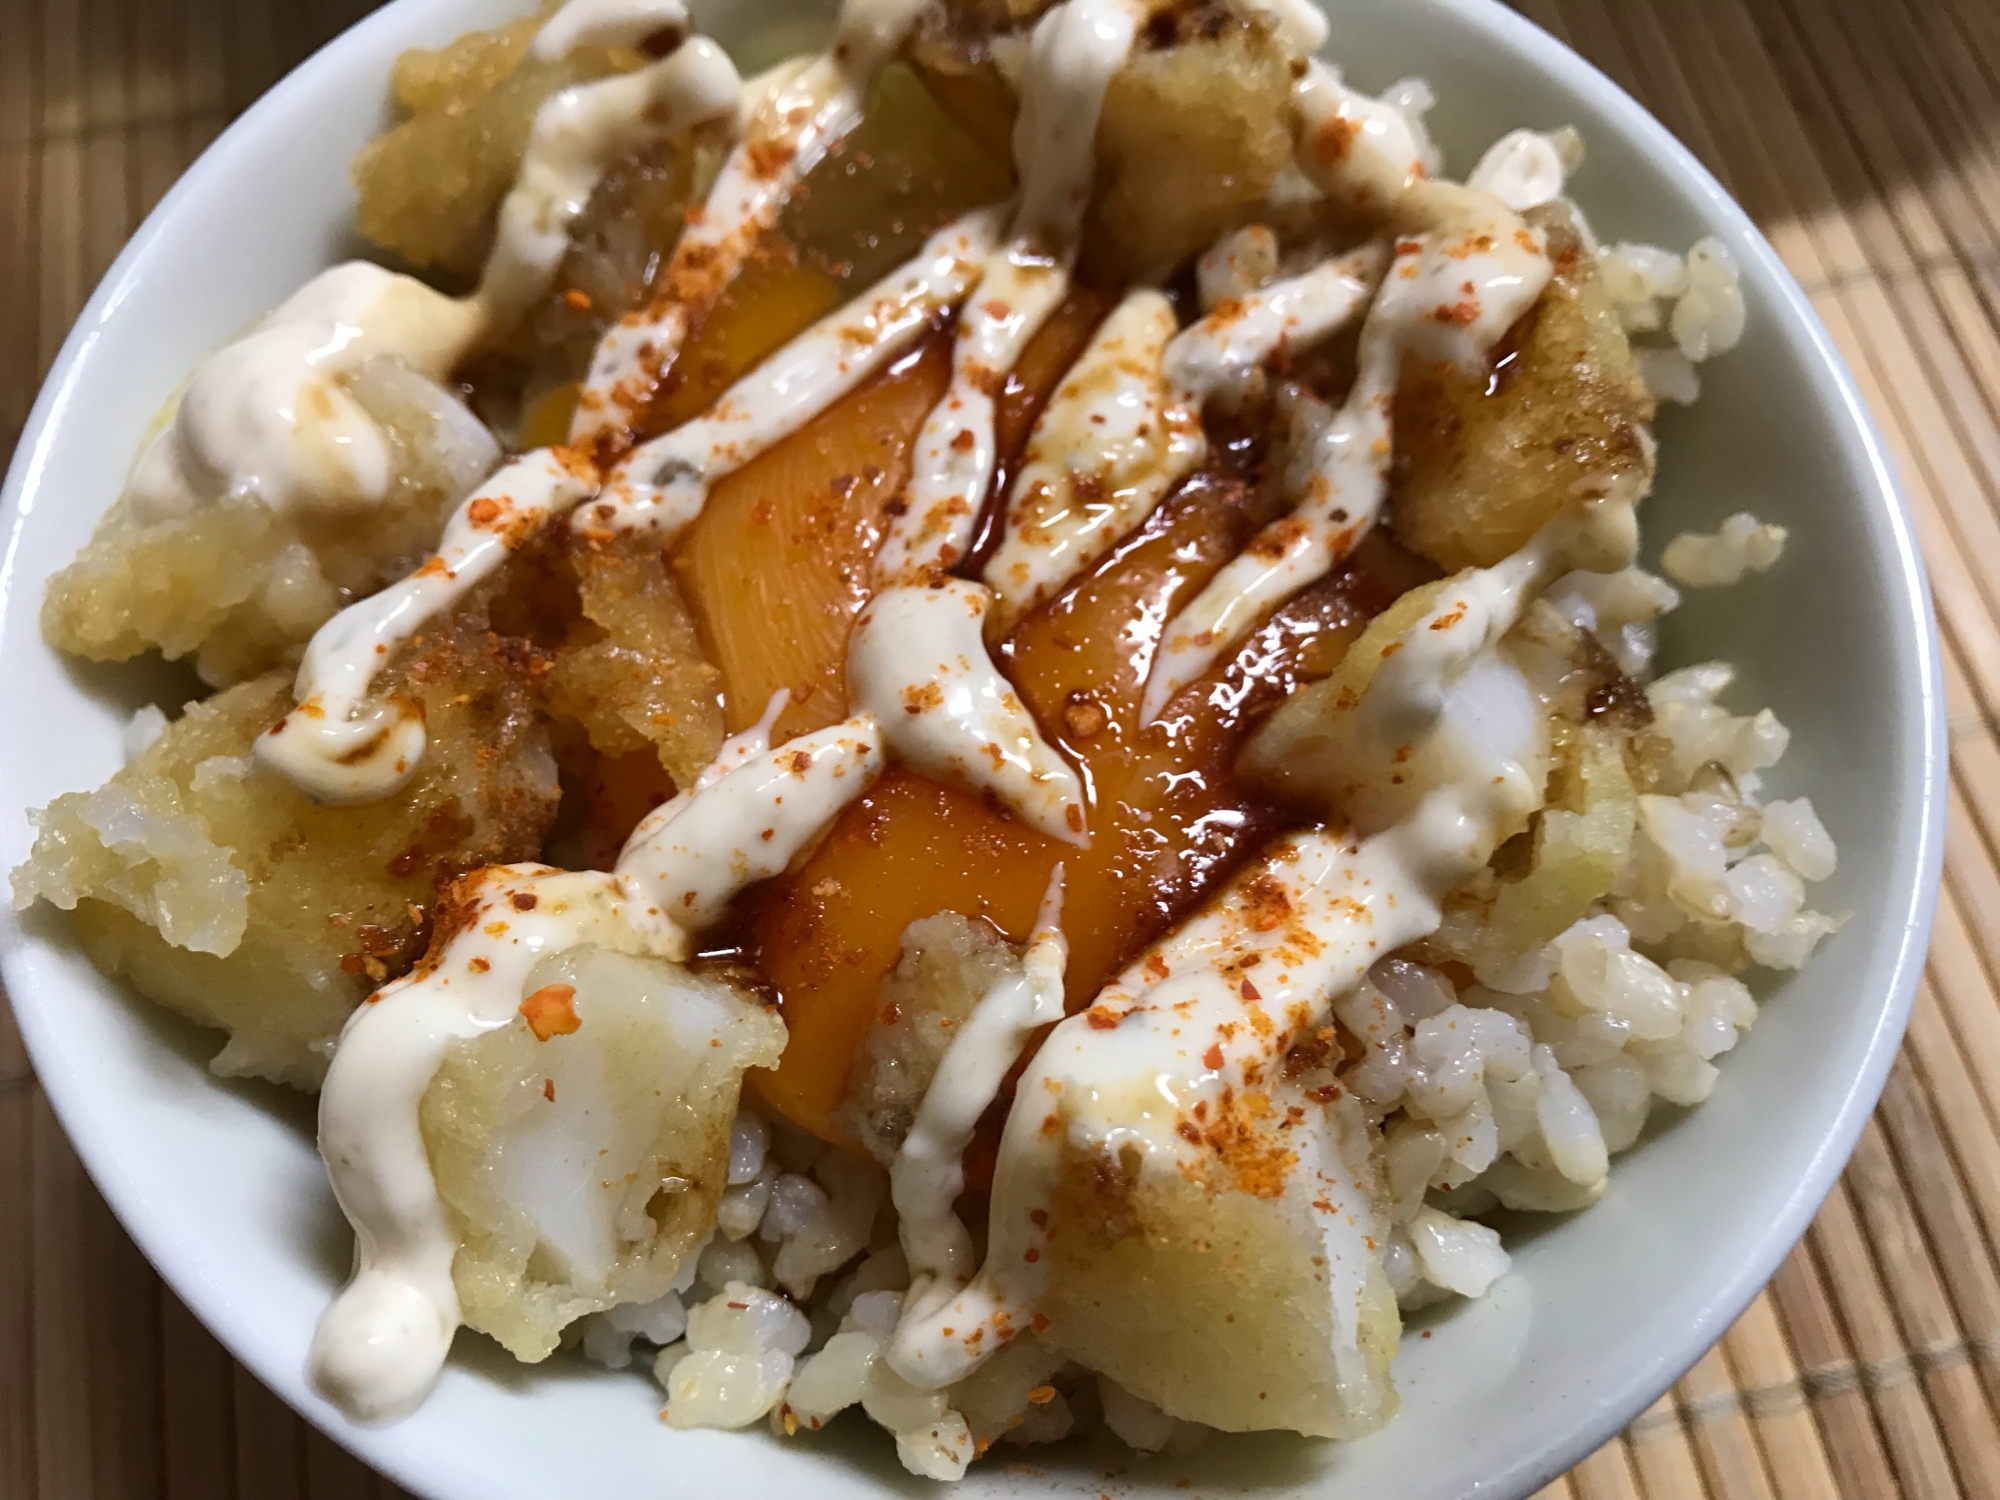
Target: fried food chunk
{"type": "Point", "coordinates": [580, 1151]}
{"type": "Point", "coordinates": [430, 187]}
{"type": "Point", "coordinates": [240, 585]}
{"type": "Point", "coordinates": [1248, 1300]}
{"type": "Point", "coordinates": [1582, 838]}
{"type": "Point", "coordinates": [949, 963]}
{"type": "Point", "coordinates": [1202, 105]}
{"type": "Point", "coordinates": [633, 673]}
{"type": "Point", "coordinates": [226, 894]}
{"type": "Point", "coordinates": [1483, 460]}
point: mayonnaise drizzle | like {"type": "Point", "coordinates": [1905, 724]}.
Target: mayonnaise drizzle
{"type": "Point", "coordinates": [341, 746]}
{"type": "Point", "coordinates": [607, 23]}
{"type": "Point", "coordinates": [1207, 1014]}
{"type": "Point", "coordinates": [955, 454]}
{"type": "Point", "coordinates": [1236, 265]}
{"type": "Point", "coordinates": [1074, 51]}
{"type": "Point", "coordinates": [917, 664]}
{"type": "Point", "coordinates": [381, 1345]}
{"type": "Point", "coordinates": [1359, 150]}
{"type": "Point", "coordinates": [662, 485]}
{"type": "Point", "coordinates": [1112, 442]}
{"type": "Point", "coordinates": [1451, 293]}
{"type": "Point", "coordinates": [694, 862]}
{"type": "Point", "coordinates": [577, 135]}
{"type": "Point", "coordinates": [267, 417]}
{"type": "Point", "coordinates": [928, 1173]}
{"type": "Point", "coordinates": [807, 113]}
{"type": "Point", "coordinates": [1218, 357]}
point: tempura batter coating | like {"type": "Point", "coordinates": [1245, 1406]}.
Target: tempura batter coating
{"type": "Point", "coordinates": [1478, 471]}
{"type": "Point", "coordinates": [633, 672]}
{"type": "Point", "coordinates": [429, 188]}
{"type": "Point", "coordinates": [240, 585]}
{"type": "Point", "coordinates": [580, 1158]}
{"type": "Point", "coordinates": [226, 894]}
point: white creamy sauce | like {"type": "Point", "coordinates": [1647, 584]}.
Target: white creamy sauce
{"type": "Point", "coordinates": [577, 135]}
{"type": "Point", "coordinates": [1450, 752]}
{"type": "Point", "coordinates": [917, 664]}
{"type": "Point", "coordinates": [342, 746]}
{"type": "Point", "coordinates": [267, 417]}
{"type": "Point", "coordinates": [695, 862]}
{"type": "Point", "coordinates": [806, 113]}
{"type": "Point", "coordinates": [1075, 49]}
{"type": "Point", "coordinates": [952, 462]}
{"type": "Point", "coordinates": [1356, 149]}
{"type": "Point", "coordinates": [1448, 296]}
{"type": "Point", "coordinates": [737, 751]}
{"type": "Point", "coordinates": [662, 485]}
{"type": "Point", "coordinates": [381, 1345]}
{"type": "Point", "coordinates": [607, 23]}
{"type": "Point", "coordinates": [1113, 441]}
{"type": "Point", "coordinates": [1236, 265]}
{"type": "Point", "coordinates": [1218, 358]}
{"type": "Point", "coordinates": [928, 1173]}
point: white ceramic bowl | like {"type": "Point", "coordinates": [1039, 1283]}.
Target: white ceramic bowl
{"type": "Point", "coordinates": [219, 1182]}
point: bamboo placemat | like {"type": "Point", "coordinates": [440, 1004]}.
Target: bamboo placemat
{"type": "Point", "coordinates": [1863, 135]}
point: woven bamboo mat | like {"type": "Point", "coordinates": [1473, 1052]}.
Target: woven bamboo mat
{"type": "Point", "coordinates": [1863, 135]}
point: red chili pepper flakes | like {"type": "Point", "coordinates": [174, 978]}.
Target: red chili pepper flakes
{"type": "Point", "coordinates": [551, 1011]}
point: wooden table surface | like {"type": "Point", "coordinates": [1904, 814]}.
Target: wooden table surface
{"type": "Point", "coordinates": [1863, 135]}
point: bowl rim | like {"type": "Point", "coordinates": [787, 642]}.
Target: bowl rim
{"type": "Point", "coordinates": [233, 1324]}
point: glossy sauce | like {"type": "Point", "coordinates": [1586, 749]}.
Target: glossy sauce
{"type": "Point", "coordinates": [1167, 817]}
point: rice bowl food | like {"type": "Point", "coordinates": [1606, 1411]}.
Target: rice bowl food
{"type": "Point", "coordinates": [898, 767]}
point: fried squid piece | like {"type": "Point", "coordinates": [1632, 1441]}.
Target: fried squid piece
{"type": "Point", "coordinates": [581, 1149]}
{"type": "Point", "coordinates": [1245, 1296]}
{"type": "Point", "coordinates": [239, 584]}
{"type": "Point", "coordinates": [224, 893]}
{"type": "Point", "coordinates": [1483, 460]}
